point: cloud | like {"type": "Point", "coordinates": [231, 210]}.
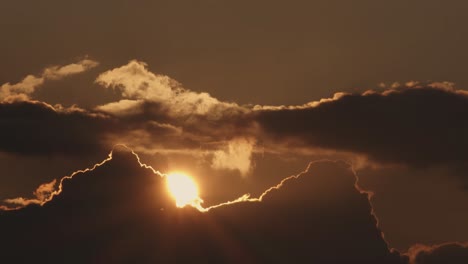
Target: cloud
{"type": "Point", "coordinates": [28, 85]}
{"type": "Point", "coordinates": [137, 83]}
{"type": "Point", "coordinates": [301, 219]}
{"type": "Point", "coordinates": [58, 72]}
{"type": "Point", "coordinates": [453, 253]}
{"type": "Point", "coordinates": [236, 156]}
{"type": "Point", "coordinates": [88, 220]}
{"type": "Point", "coordinates": [123, 108]}
{"type": "Point", "coordinates": [416, 124]}
{"type": "Point", "coordinates": [36, 128]}
{"type": "Point", "coordinates": [42, 194]}
{"type": "Point", "coordinates": [420, 125]}
{"type": "Point", "coordinates": [189, 119]}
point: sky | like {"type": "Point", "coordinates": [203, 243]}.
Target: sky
{"type": "Point", "coordinates": [316, 131]}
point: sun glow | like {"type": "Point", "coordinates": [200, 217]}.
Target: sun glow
{"type": "Point", "coordinates": [183, 189]}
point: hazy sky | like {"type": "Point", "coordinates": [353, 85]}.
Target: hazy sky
{"type": "Point", "coordinates": [240, 95]}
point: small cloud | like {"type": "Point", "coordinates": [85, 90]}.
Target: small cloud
{"type": "Point", "coordinates": [236, 156]}
{"type": "Point", "coordinates": [58, 72]}
{"type": "Point", "coordinates": [21, 91]}
{"type": "Point", "coordinates": [123, 108]}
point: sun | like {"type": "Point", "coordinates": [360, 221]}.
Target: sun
{"type": "Point", "coordinates": [183, 189]}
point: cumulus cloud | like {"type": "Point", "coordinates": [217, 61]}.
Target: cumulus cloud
{"type": "Point", "coordinates": [137, 83]}
{"type": "Point", "coordinates": [28, 85]}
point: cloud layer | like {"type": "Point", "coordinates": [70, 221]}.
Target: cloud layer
{"type": "Point", "coordinates": [418, 125]}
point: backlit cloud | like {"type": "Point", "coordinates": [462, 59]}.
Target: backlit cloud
{"type": "Point", "coordinates": [289, 217]}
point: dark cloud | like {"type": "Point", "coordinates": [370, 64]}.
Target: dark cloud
{"type": "Point", "coordinates": [230, 122]}
{"type": "Point", "coordinates": [303, 220]}
{"type": "Point", "coordinates": [417, 126]}
{"type": "Point", "coordinates": [432, 199]}
{"type": "Point", "coordinates": [36, 128]}
{"type": "Point", "coordinates": [121, 213]}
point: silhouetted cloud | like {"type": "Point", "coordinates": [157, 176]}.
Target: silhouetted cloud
{"type": "Point", "coordinates": [419, 125]}
{"type": "Point", "coordinates": [35, 128]}
{"type": "Point", "coordinates": [120, 212]}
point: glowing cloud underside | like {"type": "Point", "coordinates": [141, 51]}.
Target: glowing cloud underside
{"type": "Point", "coordinates": [183, 189]}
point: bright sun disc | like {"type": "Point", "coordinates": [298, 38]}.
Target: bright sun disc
{"type": "Point", "coordinates": [182, 188]}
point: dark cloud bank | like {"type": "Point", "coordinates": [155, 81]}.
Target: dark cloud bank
{"type": "Point", "coordinates": [36, 128]}
{"type": "Point", "coordinates": [422, 125]}
{"type": "Point", "coordinates": [121, 213]}
{"type": "Point", "coordinates": [418, 126]}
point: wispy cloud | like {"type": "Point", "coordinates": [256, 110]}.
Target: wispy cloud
{"type": "Point", "coordinates": [23, 89]}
